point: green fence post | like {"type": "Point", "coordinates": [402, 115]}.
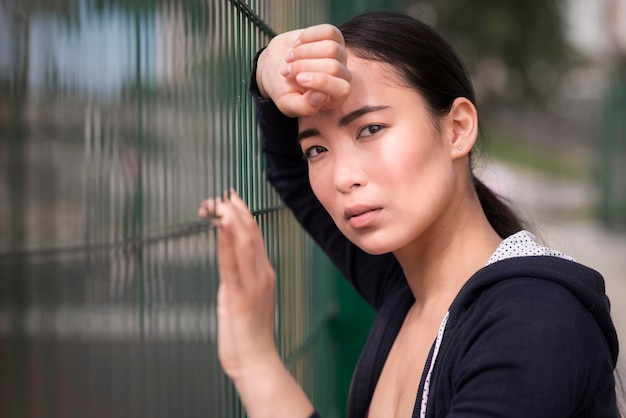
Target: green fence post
{"type": "Point", "coordinates": [613, 156]}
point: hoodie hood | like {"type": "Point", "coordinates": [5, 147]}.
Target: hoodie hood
{"type": "Point", "coordinates": [584, 282]}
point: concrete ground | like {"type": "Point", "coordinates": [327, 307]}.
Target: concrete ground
{"type": "Point", "coordinates": [558, 211]}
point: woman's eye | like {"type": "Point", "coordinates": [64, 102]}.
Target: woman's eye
{"type": "Point", "coordinates": [314, 151]}
{"type": "Point", "coordinates": [370, 130]}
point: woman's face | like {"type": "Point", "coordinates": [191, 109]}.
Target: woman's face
{"type": "Point", "coordinates": [378, 164]}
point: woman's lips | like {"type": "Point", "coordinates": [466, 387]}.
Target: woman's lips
{"type": "Point", "coordinates": [360, 217]}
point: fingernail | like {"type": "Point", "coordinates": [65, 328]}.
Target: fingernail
{"type": "Point", "coordinates": [317, 98]}
{"type": "Point", "coordinates": [290, 56]}
{"type": "Point", "coordinates": [285, 70]}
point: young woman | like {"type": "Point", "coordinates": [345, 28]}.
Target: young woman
{"type": "Point", "coordinates": [474, 318]}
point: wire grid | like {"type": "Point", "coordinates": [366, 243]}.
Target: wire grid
{"type": "Point", "coordinates": [134, 112]}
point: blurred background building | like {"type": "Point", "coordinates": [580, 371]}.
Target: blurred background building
{"type": "Point", "coordinates": [118, 116]}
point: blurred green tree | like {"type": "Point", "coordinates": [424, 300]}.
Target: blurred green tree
{"type": "Point", "coordinates": [515, 49]}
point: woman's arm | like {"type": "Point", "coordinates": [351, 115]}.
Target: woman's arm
{"type": "Point", "coordinates": [301, 51]}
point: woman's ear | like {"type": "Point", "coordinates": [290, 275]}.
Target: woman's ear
{"type": "Point", "coordinates": [462, 123]}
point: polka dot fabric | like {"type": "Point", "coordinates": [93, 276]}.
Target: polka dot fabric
{"type": "Point", "coordinates": [523, 244]}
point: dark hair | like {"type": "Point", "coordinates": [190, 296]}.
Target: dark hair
{"type": "Point", "coordinates": [429, 64]}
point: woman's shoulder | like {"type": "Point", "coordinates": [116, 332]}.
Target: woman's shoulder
{"type": "Point", "coordinates": [525, 333]}
{"type": "Point", "coordinates": [548, 301]}
{"type": "Point", "coordinates": [531, 298]}
{"type": "Point", "coordinates": [523, 270]}
{"type": "Point", "coordinates": [535, 286]}
{"type": "Point", "coordinates": [538, 319]}
{"type": "Point", "coordinates": [535, 289]}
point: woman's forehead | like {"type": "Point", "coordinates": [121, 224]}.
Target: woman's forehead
{"type": "Point", "coordinates": [370, 76]}
{"type": "Point", "coordinates": [358, 64]}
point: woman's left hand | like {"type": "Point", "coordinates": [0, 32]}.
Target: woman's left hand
{"type": "Point", "coordinates": [245, 315]}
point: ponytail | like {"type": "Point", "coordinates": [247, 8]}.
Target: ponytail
{"type": "Point", "coordinates": [500, 215]}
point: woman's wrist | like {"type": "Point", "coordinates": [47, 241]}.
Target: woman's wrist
{"type": "Point", "coordinates": [258, 75]}
{"type": "Point", "coordinates": [267, 389]}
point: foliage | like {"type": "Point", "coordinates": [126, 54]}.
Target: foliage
{"type": "Point", "coordinates": [542, 158]}
{"type": "Point", "coordinates": [514, 48]}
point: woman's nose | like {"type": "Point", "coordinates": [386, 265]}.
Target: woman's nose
{"type": "Point", "coordinates": [348, 174]}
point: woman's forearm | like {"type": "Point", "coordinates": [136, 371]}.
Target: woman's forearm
{"type": "Point", "coordinates": [269, 390]}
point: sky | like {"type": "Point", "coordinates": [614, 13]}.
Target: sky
{"type": "Point", "coordinates": [588, 23]}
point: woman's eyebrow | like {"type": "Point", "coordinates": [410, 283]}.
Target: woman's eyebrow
{"type": "Point", "coordinates": [354, 115]}
{"type": "Point", "coordinates": [344, 121]}
{"type": "Point", "coordinates": [307, 133]}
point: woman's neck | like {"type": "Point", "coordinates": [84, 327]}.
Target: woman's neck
{"type": "Point", "coordinates": [441, 260]}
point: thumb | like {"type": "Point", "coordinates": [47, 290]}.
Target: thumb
{"type": "Point", "coordinates": [316, 98]}
{"type": "Point", "coordinates": [301, 105]}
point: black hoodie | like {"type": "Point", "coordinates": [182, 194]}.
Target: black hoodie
{"type": "Point", "coordinates": [525, 337]}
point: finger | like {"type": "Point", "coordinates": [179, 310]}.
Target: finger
{"type": "Point", "coordinates": [337, 89]}
{"type": "Point", "coordinates": [207, 208]}
{"type": "Point", "coordinates": [330, 66]}
{"type": "Point", "coordinates": [320, 32]}
{"type": "Point", "coordinates": [318, 50]}
{"type": "Point", "coordinates": [252, 260]}
{"type": "Point", "coordinates": [246, 223]}
{"type": "Point", "coordinates": [241, 208]}
{"type": "Point", "coordinates": [319, 92]}
{"type": "Point", "coordinates": [226, 255]}
{"type": "Point", "coordinates": [297, 105]}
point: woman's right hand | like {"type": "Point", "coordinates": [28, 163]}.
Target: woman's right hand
{"type": "Point", "coordinates": [305, 70]}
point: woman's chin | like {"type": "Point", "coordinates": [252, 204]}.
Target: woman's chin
{"type": "Point", "coordinates": [374, 248]}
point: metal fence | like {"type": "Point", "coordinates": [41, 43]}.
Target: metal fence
{"type": "Point", "coordinates": [116, 118]}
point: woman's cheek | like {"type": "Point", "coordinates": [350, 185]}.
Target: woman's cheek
{"type": "Point", "coordinates": [322, 187]}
